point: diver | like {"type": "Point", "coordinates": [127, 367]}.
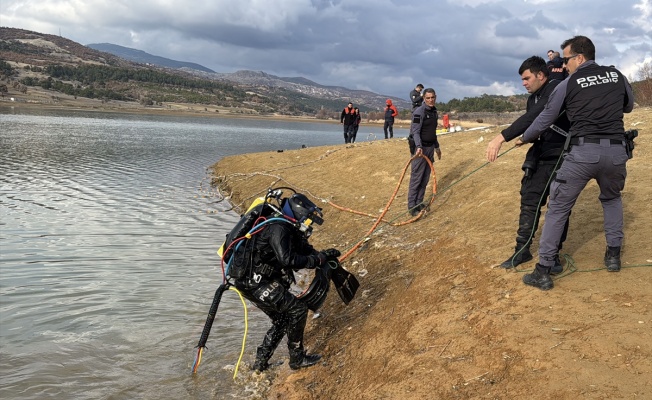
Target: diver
{"type": "Point", "coordinates": [263, 269]}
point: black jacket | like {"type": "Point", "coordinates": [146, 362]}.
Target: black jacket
{"type": "Point", "coordinates": [423, 128]}
{"type": "Point", "coordinates": [416, 98]}
{"type": "Point", "coordinates": [594, 97]}
{"type": "Point", "coordinates": [550, 143]}
{"type": "Point", "coordinates": [556, 69]}
{"type": "Point", "coordinates": [347, 117]}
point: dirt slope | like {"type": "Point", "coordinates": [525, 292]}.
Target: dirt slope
{"type": "Point", "coordinates": [434, 317]}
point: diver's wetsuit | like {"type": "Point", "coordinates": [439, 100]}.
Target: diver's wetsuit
{"type": "Point", "coordinates": [274, 253]}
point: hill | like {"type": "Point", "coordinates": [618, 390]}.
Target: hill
{"type": "Point", "coordinates": [51, 70]}
{"type": "Point", "coordinates": [142, 57]}
{"type": "Point", "coordinates": [156, 81]}
{"type": "Point", "coordinates": [434, 317]}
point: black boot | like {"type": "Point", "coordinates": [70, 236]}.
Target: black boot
{"type": "Point", "coordinates": [263, 354]}
{"type": "Point", "coordinates": [612, 259]}
{"type": "Point", "coordinates": [557, 268]}
{"type": "Point", "coordinates": [539, 278]}
{"type": "Point", "coordinates": [521, 255]}
{"type": "Point", "coordinates": [299, 359]}
{"type": "Point", "coordinates": [270, 342]}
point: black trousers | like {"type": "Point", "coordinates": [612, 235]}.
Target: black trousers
{"type": "Point", "coordinates": [288, 315]}
{"type": "Point", "coordinates": [388, 127]}
{"type": "Point", "coordinates": [535, 189]}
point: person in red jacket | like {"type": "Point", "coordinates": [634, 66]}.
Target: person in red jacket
{"type": "Point", "coordinates": [347, 119]}
{"type": "Point", "coordinates": [390, 113]}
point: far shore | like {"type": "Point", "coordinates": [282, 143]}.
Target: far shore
{"type": "Point", "coordinates": [37, 98]}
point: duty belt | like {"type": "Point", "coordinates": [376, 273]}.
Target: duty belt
{"type": "Point", "coordinates": [580, 140]}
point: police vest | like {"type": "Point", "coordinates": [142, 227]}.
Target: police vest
{"type": "Point", "coordinates": [429, 126]}
{"type": "Point", "coordinates": [595, 97]}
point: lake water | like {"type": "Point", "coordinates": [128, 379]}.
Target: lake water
{"type": "Point", "coordinates": [108, 236]}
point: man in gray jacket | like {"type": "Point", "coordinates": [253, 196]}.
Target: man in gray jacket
{"type": "Point", "coordinates": [423, 132]}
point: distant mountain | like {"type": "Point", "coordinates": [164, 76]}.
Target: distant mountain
{"type": "Point", "coordinates": [110, 71]}
{"type": "Point", "coordinates": [257, 79]}
{"type": "Point", "coordinates": [366, 99]}
{"type": "Point", "coordinates": [142, 57]}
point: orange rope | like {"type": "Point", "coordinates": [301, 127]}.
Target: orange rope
{"type": "Point", "coordinates": [389, 203]}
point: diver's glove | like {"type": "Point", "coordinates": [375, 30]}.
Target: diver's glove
{"type": "Point", "coordinates": [317, 259]}
{"type": "Point", "coordinates": [331, 253]}
{"type": "Point", "coordinates": [323, 256]}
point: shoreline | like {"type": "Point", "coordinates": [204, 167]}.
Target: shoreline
{"type": "Point", "coordinates": [37, 98]}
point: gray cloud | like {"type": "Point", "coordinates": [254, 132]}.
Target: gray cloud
{"type": "Point", "coordinates": [462, 48]}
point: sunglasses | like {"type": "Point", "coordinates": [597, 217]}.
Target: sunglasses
{"type": "Point", "coordinates": [568, 58]}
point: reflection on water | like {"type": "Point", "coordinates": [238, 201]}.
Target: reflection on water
{"type": "Point", "coordinates": [108, 240]}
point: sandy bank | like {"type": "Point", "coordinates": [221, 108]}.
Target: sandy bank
{"type": "Point", "coordinates": [434, 317]}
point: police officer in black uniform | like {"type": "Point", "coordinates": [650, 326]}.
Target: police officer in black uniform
{"type": "Point", "coordinates": [595, 98]}
{"type": "Point", "coordinates": [423, 140]}
{"type": "Point", "coordinates": [415, 96]}
{"type": "Point", "coordinates": [265, 265]}
{"type": "Point", "coordinates": [541, 161]}
{"type": "Point", "coordinates": [555, 66]}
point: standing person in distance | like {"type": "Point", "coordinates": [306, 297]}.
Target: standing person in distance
{"type": "Point", "coordinates": [356, 123]}
{"type": "Point", "coordinates": [541, 160]}
{"type": "Point", "coordinates": [595, 98]}
{"type": "Point", "coordinates": [390, 113]}
{"type": "Point", "coordinates": [346, 119]}
{"type": "Point", "coordinates": [423, 131]}
{"type": "Point", "coordinates": [555, 66]}
{"type": "Point", "coordinates": [415, 96]}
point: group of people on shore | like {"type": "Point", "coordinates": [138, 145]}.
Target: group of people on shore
{"type": "Point", "coordinates": [350, 119]}
{"type": "Point", "coordinates": [577, 133]}
{"type": "Point", "coordinates": [578, 120]}
{"type": "Point", "coordinates": [574, 120]}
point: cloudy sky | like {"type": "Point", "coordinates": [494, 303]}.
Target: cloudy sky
{"type": "Point", "coordinates": [462, 48]}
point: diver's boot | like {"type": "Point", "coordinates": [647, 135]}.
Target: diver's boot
{"type": "Point", "coordinates": [521, 255]}
{"type": "Point", "coordinates": [263, 354]}
{"type": "Point", "coordinates": [539, 278]}
{"type": "Point", "coordinates": [557, 268]}
{"type": "Point", "coordinates": [299, 359]}
{"type": "Point", "coordinates": [612, 259]}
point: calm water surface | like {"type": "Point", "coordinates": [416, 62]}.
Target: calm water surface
{"type": "Point", "coordinates": [108, 233]}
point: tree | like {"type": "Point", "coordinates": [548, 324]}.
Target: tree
{"type": "Point", "coordinates": [643, 88]}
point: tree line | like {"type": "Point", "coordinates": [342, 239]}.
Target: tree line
{"type": "Point", "coordinates": [150, 86]}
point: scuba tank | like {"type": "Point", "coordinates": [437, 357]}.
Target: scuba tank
{"type": "Point", "coordinates": [256, 210]}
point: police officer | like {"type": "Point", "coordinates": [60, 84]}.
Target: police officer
{"type": "Point", "coordinates": [541, 160]}
{"type": "Point", "coordinates": [415, 96]}
{"type": "Point", "coordinates": [595, 98]}
{"type": "Point", "coordinates": [556, 66]}
{"type": "Point", "coordinates": [423, 135]}
{"type": "Point", "coordinates": [269, 258]}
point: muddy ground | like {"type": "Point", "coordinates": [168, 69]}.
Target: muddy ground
{"type": "Point", "coordinates": [435, 318]}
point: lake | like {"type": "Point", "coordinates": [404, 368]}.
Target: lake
{"type": "Point", "coordinates": [109, 231]}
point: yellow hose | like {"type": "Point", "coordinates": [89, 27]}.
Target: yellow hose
{"type": "Point", "coordinates": [244, 337]}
